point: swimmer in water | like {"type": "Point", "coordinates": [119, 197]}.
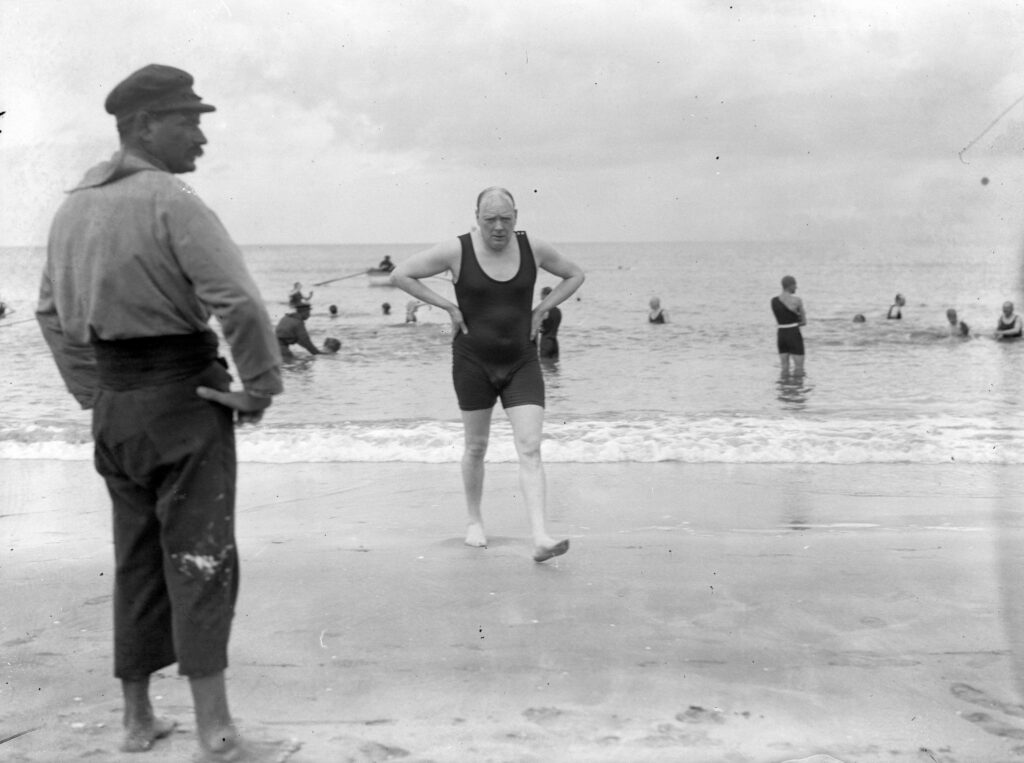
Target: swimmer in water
{"type": "Point", "coordinates": [789, 314]}
{"type": "Point", "coordinates": [957, 328]}
{"type": "Point", "coordinates": [1010, 325]}
{"type": "Point", "coordinates": [291, 329]}
{"type": "Point", "coordinates": [548, 346]}
{"type": "Point", "coordinates": [657, 313]}
{"type": "Point", "coordinates": [895, 310]}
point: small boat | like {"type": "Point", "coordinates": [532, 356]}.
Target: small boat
{"type": "Point", "coordinates": [379, 277]}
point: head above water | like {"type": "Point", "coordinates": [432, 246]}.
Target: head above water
{"type": "Point", "coordinates": [1008, 308]}
{"type": "Point", "coordinates": [655, 303]}
{"type": "Point", "coordinates": [788, 283]}
{"type": "Point", "coordinates": [900, 300]}
{"type": "Point", "coordinates": [951, 315]}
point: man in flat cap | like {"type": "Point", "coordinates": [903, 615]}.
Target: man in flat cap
{"type": "Point", "coordinates": [136, 265]}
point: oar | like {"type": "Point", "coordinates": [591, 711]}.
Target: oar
{"type": "Point", "coordinates": [341, 278]}
{"type": "Point", "coordinates": [5, 324]}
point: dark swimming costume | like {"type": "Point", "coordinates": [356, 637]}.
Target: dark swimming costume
{"type": "Point", "coordinates": [659, 318]}
{"type": "Point", "coordinates": [549, 334]}
{"type": "Point", "coordinates": [790, 340]}
{"type": "Point", "coordinates": [496, 358]}
{"type": "Point", "coordinates": [1003, 326]}
{"type": "Point", "coordinates": [897, 315]}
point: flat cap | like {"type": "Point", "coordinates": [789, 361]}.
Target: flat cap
{"type": "Point", "coordinates": [155, 88]}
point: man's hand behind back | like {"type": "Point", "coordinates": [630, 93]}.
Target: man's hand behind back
{"type": "Point", "coordinates": [249, 407]}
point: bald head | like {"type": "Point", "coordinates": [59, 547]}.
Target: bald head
{"type": "Point", "coordinates": [494, 190]}
{"type": "Point", "coordinates": [788, 283]}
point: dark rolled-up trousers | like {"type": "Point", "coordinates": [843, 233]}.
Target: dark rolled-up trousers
{"type": "Point", "coordinates": [168, 459]}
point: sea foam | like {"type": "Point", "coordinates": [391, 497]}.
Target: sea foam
{"type": "Point", "coordinates": [709, 439]}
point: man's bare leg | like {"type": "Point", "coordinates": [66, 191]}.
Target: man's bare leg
{"type": "Point", "coordinates": [477, 430]}
{"type": "Point", "coordinates": [527, 428]}
{"type": "Point", "coordinates": [141, 727]}
{"type": "Point", "coordinates": [219, 740]}
{"type": "Point", "coordinates": [214, 725]}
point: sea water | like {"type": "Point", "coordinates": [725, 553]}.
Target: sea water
{"type": "Point", "coordinates": [705, 387]}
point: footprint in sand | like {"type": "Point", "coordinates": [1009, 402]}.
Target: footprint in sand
{"type": "Point", "coordinates": [542, 714]}
{"type": "Point", "coordinates": [968, 693]}
{"type": "Point", "coordinates": [697, 714]}
{"type": "Point", "coordinates": [374, 751]}
{"type": "Point", "coordinates": [995, 726]}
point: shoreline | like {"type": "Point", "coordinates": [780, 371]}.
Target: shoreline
{"type": "Point", "coordinates": [705, 612]}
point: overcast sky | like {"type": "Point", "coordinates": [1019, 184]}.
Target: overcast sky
{"type": "Point", "coordinates": [610, 120]}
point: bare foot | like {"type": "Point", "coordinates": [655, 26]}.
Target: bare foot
{"type": "Point", "coordinates": [140, 737]}
{"type": "Point", "coordinates": [475, 535]}
{"type": "Point", "coordinates": [234, 749]}
{"type": "Point", "coordinates": [543, 552]}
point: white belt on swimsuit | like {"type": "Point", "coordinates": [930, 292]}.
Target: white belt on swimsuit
{"type": "Point", "coordinates": [788, 325]}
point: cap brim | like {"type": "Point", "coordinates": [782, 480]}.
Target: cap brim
{"type": "Point", "coordinates": [185, 106]}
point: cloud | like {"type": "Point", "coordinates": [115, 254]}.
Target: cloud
{"type": "Point", "coordinates": [624, 118]}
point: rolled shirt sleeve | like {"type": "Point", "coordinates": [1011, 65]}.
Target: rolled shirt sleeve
{"type": "Point", "coordinates": [222, 282]}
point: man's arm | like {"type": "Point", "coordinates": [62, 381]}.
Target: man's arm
{"type": "Point", "coordinates": [302, 337]}
{"type": "Point", "coordinates": [76, 362]}
{"type": "Point", "coordinates": [800, 310]}
{"type": "Point", "coordinates": [550, 259]}
{"type": "Point", "coordinates": [215, 266]}
{"type": "Point", "coordinates": [1014, 328]}
{"type": "Point", "coordinates": [408, 276]}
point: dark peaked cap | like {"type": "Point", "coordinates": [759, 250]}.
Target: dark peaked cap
{"type": "Point", "coordinates": [155, 88]}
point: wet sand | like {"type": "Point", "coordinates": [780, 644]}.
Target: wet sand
{"type": "Point", "coordinates": [704, 613]}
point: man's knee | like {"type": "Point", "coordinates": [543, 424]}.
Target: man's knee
{"type": "Point", "coordinates": [476, 448]}
{"type": "Point", "coordinates": [528, 447]}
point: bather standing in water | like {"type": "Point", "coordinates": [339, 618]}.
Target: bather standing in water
{"type": "Point", "coordinates": [790, 315]}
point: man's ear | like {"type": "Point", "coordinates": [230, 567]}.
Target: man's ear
{"type": "Point", "coordinates": [142, 126]}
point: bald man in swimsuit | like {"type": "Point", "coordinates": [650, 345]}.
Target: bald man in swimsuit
{"type": "Point", "coordinates": [494, 351]}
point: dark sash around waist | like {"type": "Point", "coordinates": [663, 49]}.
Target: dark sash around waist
{"type": "Point", "coordinates": [149, 361]}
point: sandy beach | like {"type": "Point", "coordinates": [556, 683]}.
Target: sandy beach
{"type": "Point", "coordinates": [704, 613]}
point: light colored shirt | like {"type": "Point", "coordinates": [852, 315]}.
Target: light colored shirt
{"type": "Point", "coordinates": [133, 252]}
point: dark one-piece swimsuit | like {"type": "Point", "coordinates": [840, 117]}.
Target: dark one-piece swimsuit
{"type": "Point", "coordinates": [790, 340]}
{"type": "Point", "coordinates": [496, 358]}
